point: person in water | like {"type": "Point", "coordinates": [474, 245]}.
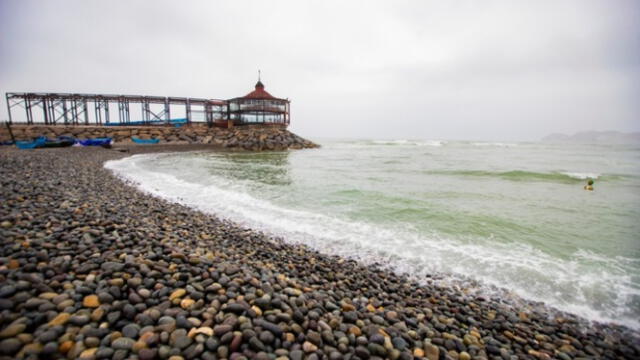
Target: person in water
{"type": "Point", "coordinates": [589, 185]}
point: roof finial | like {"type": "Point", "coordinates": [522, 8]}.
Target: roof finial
{"type": "Point", "coordinates": [259, 84]}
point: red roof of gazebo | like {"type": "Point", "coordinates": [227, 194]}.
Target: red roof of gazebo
{"type": "Point", "coordinates": [259, 93]}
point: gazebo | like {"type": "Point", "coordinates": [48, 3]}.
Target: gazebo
{"type": "Point", "coordinates": [257, 107]}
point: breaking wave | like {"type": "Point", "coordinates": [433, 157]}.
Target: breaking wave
{"type": "Point", "coordinates": [567, 284]}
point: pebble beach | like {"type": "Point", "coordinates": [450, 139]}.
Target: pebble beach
{"type": "Point", "coordinates": [92, 268]}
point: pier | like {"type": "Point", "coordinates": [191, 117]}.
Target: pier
{"type": "Point", "coordinates": [256, 108]}
{"type": "Point", "coordinates": [98, 109]}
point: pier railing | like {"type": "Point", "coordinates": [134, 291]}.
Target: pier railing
{"type": "Point", "coordinates": [97, 109]}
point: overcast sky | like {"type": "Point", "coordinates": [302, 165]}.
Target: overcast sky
{"type": "Point", "coordinates": [485, 70]}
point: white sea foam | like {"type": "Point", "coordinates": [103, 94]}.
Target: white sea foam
{"type": "Point", "coordinates": [436, 143]}
{"type": "Point", "coordinates": [529, 272]}
{"type": "Point", "coordinates": [496, 144]}
{"type": "Point", "coordinates": [581, 175]}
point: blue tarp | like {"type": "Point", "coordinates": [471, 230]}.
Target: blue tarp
{"type": "Point", "coordinates": [144, 141]}
{"type": "Point", "coordinates": [38, 142]}
{"type": "Point", "coordinates": [176, 122]}
{"type": "Point", "coordinates": [95, 142]}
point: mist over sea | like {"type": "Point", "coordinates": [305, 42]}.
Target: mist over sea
{"type": "Point", "coordinates": [507, 215]}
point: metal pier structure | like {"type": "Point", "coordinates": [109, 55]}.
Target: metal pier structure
{"type": "Point", "coordinates": [75, 109]}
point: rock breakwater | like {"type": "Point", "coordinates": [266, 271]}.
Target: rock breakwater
{"type": "Point", "coordinates": [90, 268]}
{"type": "Point", "coordinates": [251, 137]}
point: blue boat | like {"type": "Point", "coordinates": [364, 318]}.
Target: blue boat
{"type": "Point", "coordinates": [38, 142]}
{"type": "Point", "coordinates": [105, 141]}
{"type": "Point", "coordinates": [144, 141]}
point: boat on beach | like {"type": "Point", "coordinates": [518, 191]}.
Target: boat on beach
{"type": "Point", "coordinates": [137, 140]}
{"type": "Point", "coordinates": [43, 142]}
{"type": "Point", "coordinates": [103, 141]}
{"type": "Point", "coordinates": [36, 143]}
{"type": "Point", "coordinates": [61, 141]}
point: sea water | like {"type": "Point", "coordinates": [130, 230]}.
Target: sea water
{"type": "Point", "coordinates": [511, 216]}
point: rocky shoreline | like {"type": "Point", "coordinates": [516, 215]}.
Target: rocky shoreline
{"type": "Point", "coordinates": [248, 137]}
{"type": "Point", "coordinates": [91, 268]}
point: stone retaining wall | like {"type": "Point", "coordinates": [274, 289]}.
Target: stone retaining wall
{"type": "Point", "coordinates": [253, 137]}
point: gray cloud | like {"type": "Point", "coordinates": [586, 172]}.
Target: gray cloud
{"type": "Point", "coordinates": [407, 69]}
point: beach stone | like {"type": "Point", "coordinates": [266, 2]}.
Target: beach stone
{"type": "Point", "coordinates": [377, 349]}
{"type": "Point", "coordinates": [91, 301]}
{"type": "Point", "coordinates": [48, 336]}
{"type": "Point", "coordinates": [186, 303]}
{"type": "Point", "coordinates": [122, 343]}
{"type": "Point", "coordinates": [145, 293]}
{"type": "Point", "coordinates": [355, 331]}
{"type": "Point", "coordinates": [129, 311]}
{"type": "Point", "coordinates": [88, 353]}
{"type": "Point", "coordinates": [6, 304]}
{"type": "Point", "coordinates": [12, 330]}
{"type": "Point", "coordinates": [399, 343]}
{"type": "Point", "coordinates": [296, 355]}
{"type": "Point", "coordinates": [235, 342]}
{"type": "Point", "coordinates": [137, 346]}
{"type": "Point", "coordinates": [10, 346]}
{"type": "Point", "coordinates": [65, 346]}
{"type": "Point", "coordinates": [104, 353]}
{"type": "Point", "coordinates": [105, 298]}
{"type": "Point", "coordinates": [432, 352]}
{"type": "Point", "coordinates": [177, 294]}
{"type": "Point", "coordinates": [147, 354]}
{"type": "Point", "coordinates": [134, 282]}
{"type": "Point", "coordinates": [362, 352]}
{"type": "Point", "coordinates": [184, 323]}
{"type": "Point", "coordinates": [309, 347]}
{"type": "Point", "coordinates": [60, 319]}
{"type": "Point", "coordinates": [314, 338]}
{"type": "Point", "coordinates": [182, 341]}
{"type": "Point", "coordinates": [49, 348]}
{"type": "Point", "coordinates": [33, 349]}
{"type": "Point", "coordinates": [131, 331]}
{"type": "Point", "coordinates": [267, 337]}
{"type": "Point", "coordinates": [111, 266]}
{"type": "Point", "coordinates": [205, 330]}
{"type": "Point", "coordinates": [271, 327]}
{"type": "Point", "coordinates": [79, 320]}
{"type": "Point", "coordinates": [235, 308]}
{"type": "Point", "coordinates": [350, 316]}
{"type": "Point", "coordinates": [7, 291]}
{"type": "Point", "coordinates": [92, 342]}
{"type": "Point", "coordinates": [220, 330]}
{"type": "Point", "coordinates": [256, 344]}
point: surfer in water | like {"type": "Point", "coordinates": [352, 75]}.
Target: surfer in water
{"type": "Point", "coordinates": [589, 185]}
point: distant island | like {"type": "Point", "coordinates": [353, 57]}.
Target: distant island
{"type": "Point", "coordinates": [596, 137]}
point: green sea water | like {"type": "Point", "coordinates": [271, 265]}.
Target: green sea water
{"type": "Point", "coordinates": [509, 215]}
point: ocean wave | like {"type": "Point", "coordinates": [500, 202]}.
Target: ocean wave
{"type": "Point", "coordinates": [567, 284]}
{"type": "Point", "coordinates": [581, 176]}
{"type": "Point", "coordinates": [496, 144]}
{"type": "Point", "coordinates": [522, 175]}
{"type": "Point", "coordinates": [435, 143]}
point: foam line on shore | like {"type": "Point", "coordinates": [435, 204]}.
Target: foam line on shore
{"type": "Point", "coordinates": [371, 243]}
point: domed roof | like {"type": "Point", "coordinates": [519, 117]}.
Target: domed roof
{"type": "Point", "coordinates": [259, 93]}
